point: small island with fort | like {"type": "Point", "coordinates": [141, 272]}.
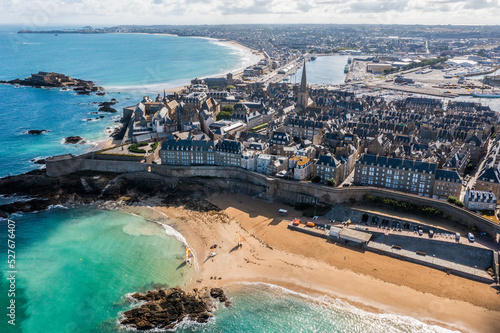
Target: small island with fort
{"type": "Point", "coordinates": [57, 80]}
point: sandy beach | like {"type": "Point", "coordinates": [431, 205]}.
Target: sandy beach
{"type": "Point", "coordinates": [273, 254]}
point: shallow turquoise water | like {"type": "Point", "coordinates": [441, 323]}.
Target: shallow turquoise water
{"type": "Point", "coordinates": [75, 267]}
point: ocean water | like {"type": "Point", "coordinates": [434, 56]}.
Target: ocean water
{"type": "Point", "coordinates": [268, 308]}
{"type": "Point", "coordinates": [128, 66]}
{"type": "Point", "coordinates": [75, 267]}
{"type": "Point", "coordinates": [323, 70]}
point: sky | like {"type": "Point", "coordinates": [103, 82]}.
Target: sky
{"type": "Point", "coordinates": [39, 14]}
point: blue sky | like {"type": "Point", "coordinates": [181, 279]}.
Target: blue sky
{"type": "Point", "coordinates": [46, 13]}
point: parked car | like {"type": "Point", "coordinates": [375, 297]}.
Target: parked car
{"type": "Point", "coordinates": [431, 233]}
{"type": "Point", "coordinates": [457, 237]}
{"type": "Point", "coordinates": [471, 238]}
{"type": "Point", "coordinates": [420, 232]}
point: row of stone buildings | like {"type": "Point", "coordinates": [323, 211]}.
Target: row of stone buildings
{"type": "Point", "coordinates": [257, 157]}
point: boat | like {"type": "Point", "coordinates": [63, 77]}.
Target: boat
{"type": "Point", "coordinates": [188, 256]}
{"type": "Point", "coordinates": [483, 95]}
{"type": "Point", "coordinates": [349, 60]}
{"type": "Point", "coordinates": [313, 57]}
{"type": "Point", "coordinates": [346, 69]}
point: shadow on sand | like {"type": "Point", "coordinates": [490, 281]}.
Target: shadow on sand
{"type": "Point", "coordinates": [234, 248]}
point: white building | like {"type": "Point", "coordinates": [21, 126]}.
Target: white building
{"type": "Point", "coordinates": [264, 164]}
{"type": "Point", "coordinates": [480, 200]}
{"type": "Point", "coordinates": [249, 160]}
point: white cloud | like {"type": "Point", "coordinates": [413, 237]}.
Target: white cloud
{"type": "Point", "coordinates": [40, 13]}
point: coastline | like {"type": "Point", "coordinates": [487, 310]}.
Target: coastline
{"type": "Point", "coordinates": [272, 254]}
{"type": "Point", "coordinates": [157, 87]}
{"type": "Point", "coordinates": [106, 142]}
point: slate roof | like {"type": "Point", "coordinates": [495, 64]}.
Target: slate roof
{"type": "Point", "coordinates": [280, 138]}
{"type": "Point", "coordinates": [187, 144]}
{"type": "Point", "coordinates": [303, 122]}
{"type": "Point", "coordinates": [397, 163]}
{"type": "Point", "coordinates": [490, 175]}
{"type": "Point", "coordinates": [327, 160]}
{"type": "Point", "coordinates": [229, 146]}
{"type": "Point", "coordinates": [448, 175]}
{"type": "Point", "coordinates": [482, 196]}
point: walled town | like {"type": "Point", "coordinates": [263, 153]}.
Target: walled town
{"type": "Point", "coordinates": [402, 135]}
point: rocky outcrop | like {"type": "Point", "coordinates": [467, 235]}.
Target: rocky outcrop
{"type": "Point", "coordinates": [88, 187]}
{"type": "Point", "coordinates": [73, 139]}
{"type": "Point", "coordinates": [166, 308]}
{"type": "Point", "coordinates": [46, 191]}
{"type": "Point", "coordinates": [36, 132]}
{"type": "Point", "coordinates": [38, 160]}
{"type": "Point", "coordinates": [106, 106]}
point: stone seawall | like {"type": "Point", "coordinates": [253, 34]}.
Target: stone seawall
{"type": "Point", "coordinates": [271, 188]}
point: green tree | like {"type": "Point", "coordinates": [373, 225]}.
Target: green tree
{"type": "Point", "coordinates": [316, 179]}
{"type": "Point", "coordinates": [228, 108]}
{"type": "Point", "coordinates": [229, 87]}
{"type": "Point", "coordinates": [223, 115]}
{"type": "Point", "coordinates": [455, 201]}
{"type": "Point", "coordinates": [331, 182]}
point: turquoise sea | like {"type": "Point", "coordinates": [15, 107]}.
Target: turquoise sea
{"type": "Point", "coordinates": [128, 66]}
{"type": "Point", "coordinates": [75, 266]}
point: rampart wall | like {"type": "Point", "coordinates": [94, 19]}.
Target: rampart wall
{"type": "Point", "coordinates": [233, 179]}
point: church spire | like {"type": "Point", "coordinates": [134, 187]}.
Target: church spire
{"type": "Point", "coordinates": [303, 96]}
{"type": "Point", "coordinates": [303, 81]}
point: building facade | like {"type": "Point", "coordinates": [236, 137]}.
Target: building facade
{"type": "Point", "coordinates": [447, 183]}
{"type": "Point", "coordinates": [397, 174]}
